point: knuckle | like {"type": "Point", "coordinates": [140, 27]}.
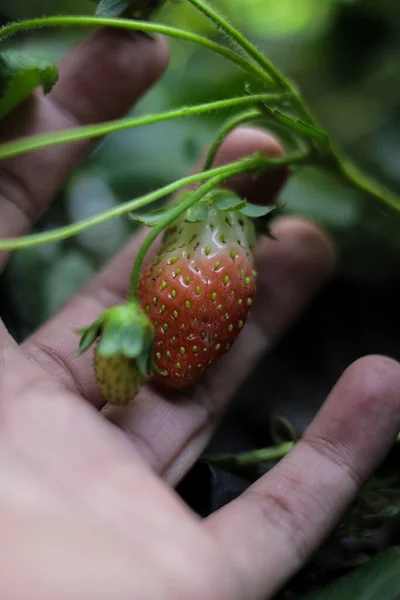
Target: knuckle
{"type": "Point", "coordinates": [332, 449]}
{"type": "Point", "coordinates": [290, 509]}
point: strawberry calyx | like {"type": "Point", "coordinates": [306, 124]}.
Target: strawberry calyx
{"type": "Point", "coordinates": [219, 201]}
{"type": "Point", "coordinates": [123, 330]}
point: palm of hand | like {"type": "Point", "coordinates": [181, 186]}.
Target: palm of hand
{"type": "Point", "coordinates": [87, 498]}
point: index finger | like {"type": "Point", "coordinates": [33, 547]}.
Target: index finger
{"type": "Point", "coordinates": [100, 79]}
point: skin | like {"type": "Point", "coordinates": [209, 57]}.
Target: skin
{"type": "Point", "coordinates": [88, 508]}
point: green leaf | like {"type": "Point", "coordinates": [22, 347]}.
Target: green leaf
{"type": "Point", "coordinates": [197, 214]}
{"type": "Point", "coordinates": [263, 224]}
{"type": "Point", "coordinates": [378, 579]}
{"type": "Point", "coordinates": [145, 360]}
{"type": "Point", "coordinates": [300, 126]}
{"type": "Point", "coordinates": [150, 219]}
{"type": "Point", "coordinates": [112, 8]}
{"type": "Point", "coordinates": [89, 336]}
{"type": "Point", "coordinates": [255, 211]}
{"type": "Point", "coordinates": [20, 75]}
{"type": "Point", "coordinates": [110, 341]}
{"type": "Point", "coordinates": [228, 201]}
{"type": "Point", "coordinates": [131, 342]}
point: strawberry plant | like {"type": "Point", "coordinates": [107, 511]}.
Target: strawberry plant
{"type": "Point", "coordinates": [186, 305]}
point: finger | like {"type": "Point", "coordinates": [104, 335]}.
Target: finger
{"type": "Point", "coordinates": [272, 529]}
{"type": "Point", "coordinates": [245, 141]}
{"type": "Point", "coordinates": [54, 345]}
{"type": "Point", "coordinates": [99, 80]}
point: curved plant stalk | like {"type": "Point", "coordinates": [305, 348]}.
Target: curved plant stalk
{"type": "Point", "coordinates": [226, 129]}
{"type": "Point", "coordinates": [84, 21]}
{"type": "Point", "coordinates": [339, 166]}
{"type": "Point", "coordinates": [86, 132]}
{"type": "Point", "coordinates": [323, 155]}
{"type": "Point", "coordinates": [254, 457]}
{"type": "Point", "coordinates": [245, 165]}
{"type": "Point", "coordinates": [350, 173]}
{"type": "Point", "coordinates": [240, 40]}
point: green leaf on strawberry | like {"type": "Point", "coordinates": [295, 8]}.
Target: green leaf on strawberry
{"type": "Point", "coordinates": [262, 223]}
{"type": "Point", "coordinates": [301, 126]}
{"type": "Point", "coordinates": [88, 336]}
{"type": "Point", "coordinates": [152, 218]}
{"type": "Point", "coordinates": [197, 214]}
{"type": "Point", "coordinates": [226, 200]}
{"type": "Point", "coordinates": [256, 211]}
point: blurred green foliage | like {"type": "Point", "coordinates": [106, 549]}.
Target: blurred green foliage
{"type": "Point", "coordinates": [343, 54]}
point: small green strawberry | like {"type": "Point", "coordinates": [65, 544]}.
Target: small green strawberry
{"type": "Point", "coordinates": [118, 376]}
{"type": "Point", "coordinates": [123, 355]}
{"type": "Point", "coordinates": [198, 290]}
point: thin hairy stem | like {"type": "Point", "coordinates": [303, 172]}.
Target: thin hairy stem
{"type": "Point", "coordinates": [62, 233]}
{"type": "Point", "coordinates": [35, 142]}
{"type": "Point", "coordinates": [234, 34]}
{"type": "Point", "coordinates": [367, 185]}
{"type": "Point", "coordinates": [225, 130]}
{"type": "Point", "coordinates": [86, 21]}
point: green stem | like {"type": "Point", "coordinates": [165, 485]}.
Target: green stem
{"type": "Point", "coordinates": [350, 173]}
{"type": "Point", "coordinates": [255, 457]}
{"type": "Point", "coordinates": [35, 142]}
{"type": "Point", "coordinates": [225, 130]}
{"type": "Point", "coordinates": [62, 233]}
{"type": "Point", "coordinates": [174, 32]}
{"type": "Point", "coordinates": [235, 35]}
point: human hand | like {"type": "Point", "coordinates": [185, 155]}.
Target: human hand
{"type": "Point", "coordinates": [87, 502]}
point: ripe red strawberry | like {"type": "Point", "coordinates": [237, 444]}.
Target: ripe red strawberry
{"type": "Point", "coordinates": [197, 292]}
